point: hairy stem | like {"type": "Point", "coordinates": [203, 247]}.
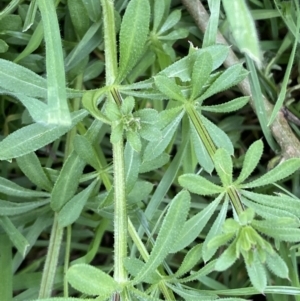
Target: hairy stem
{"type": "Point", "coordinates": [281, 131]}
{"type": "Point", "coordinates": [120, 213]}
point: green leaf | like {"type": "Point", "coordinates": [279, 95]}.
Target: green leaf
{"type": "Point", "coordinates": [34, 136]}
{"type": "Point", "coordinates": [243, 28]}
{"type": "Point", "coordinates": [169, 88]}
{"type": "Point", "coordinates": [67, 181]}
{"type": "Point", "coordinates": [207, 269]}
{"type": "Point", "coordinates": [16, 78]}
{"type": "Point", "coordinates": [277, 265]}
{"type": "Point", "coordinates": [86, 45]}
{"type": "Point", "coordinates": [127, 105]}
{"type": "Point", "coordinates": [90, 102]}
{"type": "Point", "coordinates": [210, 34]}
{"type": "Point", "coordinates": [251, 160]}
{"type": "Point", "coordinates": [280, 172]}
{"type": "Point", "coordinates": [58, 111]}
{"type": "Point", "coordinates": [93, 8]}
{"type": "Point", "coordinates": [224, 81]}
{"type": "Point", "coordinates": [215, 229]}
{"type": "Point", "coordinates": [10, 188]}
{"type": "Point", "coordinates": [132, 165]}
{"type": "Point", "coordinates": [193, 227]}
{"type": "Point", "coordinates": [257, 273]}
{"type": "Point", "coordinates": [199, 185]}
{"type": "Point", "coordinates": [201, 72]}
{"type": "Point", "coordinates": [71, 211]}
{"type": "Point", "coordinates": [168, 233]}
{"type": "Point", "coordinates": [219, 137]}
{"type": "Point", "coordinates": [283, 202]}
{"type": "Point", "coordinates": [267, 211]}
{"type": "Point", "coordinates": [182, 68]}
{"type": "Point", "coordinates": [227, 258]}
{"type": "Point", "coordinates": [156, 147]}
{"type": "Point", "coordinates": [200, 150]}
{"type": "Point", "coordinates": [133, 35]}
{"type": "Point", "coordinates": [192, 257]}
{"type": "Point", "coordinates": [142, 296]}
{"type": "Point", "coordinates": [117, 133]}
{"type": "Point", "coordinates": [18, 240]}
{"type": "Point", "coordinates": [158, 13]}
{"type": "Point", "coordinates": [10, 208]}
{"type": "Point", "coordinates": [86, 151]}
{"type": "Point", "coordinates": [31, 167]}
{"type": "Point", "coordinates": [90, 280]}
{"type": "Point", "coordinates": [227, 107]}
{"type": "Point", "coordinates": [172, 19]}
{"type": "Point", "coordinates": [134, 266]}
{"type": "Point", "coordinates": [220, 240]}
{"type": "Point", "coordinates": [153, 164]}
{"type": "Point", "coordinates": [281, 233]}
{"type": "Point", "coordinates": [134, 140]}
{"type": "Point", "coordinates": [223, 165]}
{"type": "Point", "coordinates": [79, 16]}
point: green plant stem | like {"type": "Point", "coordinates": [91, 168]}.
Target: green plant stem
{"type": "Point", "coordinates": [281, 131]}
{"type": "Point", "coordinates": [6, 283]}
{"type": "Point", "coordinates": [51, 260]}
{"type": "Point", "coordinates": [67, 259]}
{"type": "Point", "coordinates": [120, 212]}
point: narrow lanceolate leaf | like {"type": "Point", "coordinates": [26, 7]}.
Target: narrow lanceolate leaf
{"type": "Point", "coordinates": [192, 257]}
{"type": "Point", "coordinates": [182, 68]}
{"type": "Point", "coordinates": [193, 227]}
{"type": "Point", "coordinates": [132, 166]}
{"type": "Point", "coordinates": [10, 188]}
{"type": "Point", "coordinates": [156, 148]}
{"type": "Point", "coordinates": [257, 274]}
{"type": "Point", "coordinates": [227, 107]}
{"type": "Point", "coordinates": [243, 28]}
{"type": "Point", "coordinates": [72, 210]}
{"type": "Point", "coordinates": [159, 10]}
{"type": "Point", "coordinates": [67, 181]}
{"type": "Point", "coordinates": [34, 136]}
{"type": "Point", "coordinates": [58, 111]}
{"type": "Point", "coordinates": [18, 79]}
{"type": "Point", "coordinates": [134, 266]}
{"type": "Point", "coordinates": [93, 8]}
{"type": "Point", "coordinates": [227, 259]}
{"type": "Point", "coordinates": [91, 281]}
{"type": "Point", "coordinates": [277, 265]}
{"type": "Point", "coordinates": [86, 151]}
{"type": "Point", "coordinates": [133, 35]}
{"type": "Point", "coordinates": [31, 167]}
{"type": "Point", "coordinates": [251, 160]}
{"type": "Point", "coordinates": [218, 136]}
{"type": "Point", "coordinates": [216, 229]}
{"type": "Point", "coordinates": [199, 185]}
{"type": "Point", "coordinates": [168, 234]}
{"type": "Point", "coordinates": [172, 19]}
{"type": "Point", "coordinates": [16, 237]}
{"type": "Point", "coordinates": [9, 208]}
{"type": "Point", "coordinates": [169, 88]}
{"type": "Point", "coordinates": [36, 108]}
{"type": "Point", "coordinates": [223, 165]}
{"type": "Point", "coordinates": [281, 233]}
{"type": "Point", "coordinates": [224, 81]}
{"type": "Point", "coordinates": [280, 172]}
{"type": "Point", "coordinates": [201, 72]}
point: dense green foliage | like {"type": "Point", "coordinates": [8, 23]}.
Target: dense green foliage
{"type": "Point", "coordinates": [141, 159]}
